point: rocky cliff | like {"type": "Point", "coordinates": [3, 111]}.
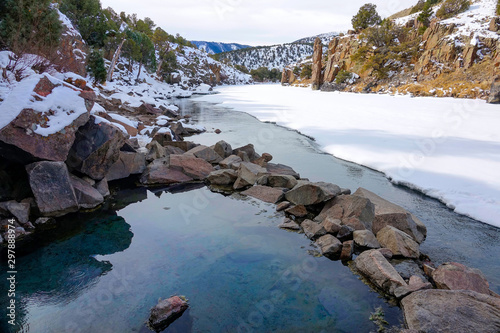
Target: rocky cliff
{"type": "Point", "coordinates": [457, 57]}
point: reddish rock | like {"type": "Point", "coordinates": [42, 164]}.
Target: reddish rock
{"type": "Point", "coordinates": [129, 163]}
{"type": "Point", "coordinates": [317, 59]}
{"type": "Point", "coordinates": [284, 181]}
{"type": "Point", "coordinates": [330, 246]}
{"type": "Point", "coordinates": [308, 193]}
{"type": "Point", "coordinates": [206, 153]}
{"type": "Point", "coordinates": [297, 211]}
{"type": "Point", "coordinates": [400, 243]}
{"type": "Point", "coordinates": [72, 53]}
{"type": "Point", "coordinates": [347, 250]}
{"type": "Point", "coordinates": [194, 167]}
{"type": "Point", "coordinates": [264, 193]}
{"type": "Point", "coordinates": [222, 177]}
{"type": "Point", "coordinates": [281, 169]}
{"type": "Point", "coordinates": [455, 276]}
{"type": "Point", "coordinates": [282, 206]}
{"type": "Point", "coordinates": [289, 224]}
{"type": "Point", "coordinates": [159, 172]}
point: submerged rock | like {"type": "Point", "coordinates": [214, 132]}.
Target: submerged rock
{"type": "Point", "coordinates": [166, 312]}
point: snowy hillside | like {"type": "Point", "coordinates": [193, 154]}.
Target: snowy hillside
{"type": "Point", "coordinates": [275, 56]}
{"type": "Point", "coordinates": [325, 38]}
{"type": "Point", "coordinates": [214, 47]}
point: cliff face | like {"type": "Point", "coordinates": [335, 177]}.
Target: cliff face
{"type": "Point", "coordinates": [448, 59]}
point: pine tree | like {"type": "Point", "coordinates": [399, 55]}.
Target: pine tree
{"type": "Point", "coordinates": [367, 16]}
{"type": "Point", "coordinates": [96, 67]}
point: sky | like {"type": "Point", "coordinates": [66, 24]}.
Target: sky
{"type": "Point", "coordinates": [252, 22]}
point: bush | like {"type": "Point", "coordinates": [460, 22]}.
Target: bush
{"type": "Point", "coordinates": [451, 8]}
{"type": "Point", "coordinates": [96, 67]}
{"type": "Point", "coordinates": [306, 71]}
{"type": "Point", "coordinates": [343, 76]}
{"type": "Point", "coordinates": [367, 16]}
{"type": "Point", "coordinates": [498, 7]}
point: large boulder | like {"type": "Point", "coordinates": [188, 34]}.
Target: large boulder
{"type": "Point", "coordinates": [284, 181]}
{"type": "Point", "coordinates": [436, 311]}
{"type": "Point", "coordinates": [247, 150]}
{"type": "Point", "coordinates": [206, 153]}
{"type": "Point", "coordinates": [455, 276]}
{"type": "Point", "coordinates": [365, 239]}
{"type": "Point", "coordinates": [353, 210]}
{"type": "Point", "coordinates": [308, 193]}
{"type": "Point", "coordinates": [166, 312]}
{"type": "Point", "coordinates": [222, 177]}
{"type": "Point", "coordinates": [379, 271]}
{"type": "Point", "coordinates": [265, 193]}
{"type": "Point", "coordinates": [281, 169]}
{"type": "Point", "coordinates": [387, 213]}
{"type": "Point", "coordinates": [96, 148]}
{"type": "Point", "coordinates": [40, 130]}
{"type": "Point", "coordinates": [128, 164]}
{"type": "Point", "coordinates": [20, 210]}
{"type": "Point", "coordinates": [86, 196]}
{"type": "Point", "coordinates": [231, 162]}
{"type": "Point", "coordinates": [400, 243]}
{"type": "Point", "coordinates": [192, 166]}
{"type": "Point", "coordinates": [248, 173]}
{"type": "Point", "coordinates": [159, 172]}
{"type": "Point", "coordinates": [223, 148]}
{"type": "Point", "coordinates": [52, 188]}
{"type": "Point", "coordinates": [312, 229]}
{"type": "Point", "coordinates": [156, 151]}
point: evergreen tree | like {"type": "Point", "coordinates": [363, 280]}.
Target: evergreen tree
{"type": "Point", "coordinates": [367, 16]}
{"type": "Point", "coordinates": [29, 26]}
{"type": "Point", "coordinates": [96, 67]}
{"type": "Point", "coordinates": [425, 14]}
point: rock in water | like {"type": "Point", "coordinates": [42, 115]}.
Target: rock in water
{"type": "Point", "coordinates": [51, 186]}
{"type": "Point", "coordinates": [379, 271]}
{"type": "Point", "coordinates": [96, 148]}
{"type": "Point", "coordinates": [400, 243]}
{"type": "Point", "coordinates": [436, 311]}
{"type": "Point", "coordinates": [455, 276]}
{"type": "Point", "coordinates": [87, 196]}
{"type": "Point", "coordinates": [308, 193]}
{"type": "Point", "coordinates": [166, 312]}
{"type": "Point", "coordinates": [264, 193]}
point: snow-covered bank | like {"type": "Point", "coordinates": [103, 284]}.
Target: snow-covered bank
{"type": "Point", "coordinates": [447, 148]}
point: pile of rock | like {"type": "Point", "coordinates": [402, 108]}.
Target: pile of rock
{"type": "Point", "coordinates": [69, 169]}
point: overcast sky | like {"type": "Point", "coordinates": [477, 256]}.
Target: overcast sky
{"type": "Point", "coordinates": [253, 22]}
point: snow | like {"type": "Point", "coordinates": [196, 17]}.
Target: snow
{"type": "Point", "coordinates": [123, 119]}
{"type": "Point", "coordinates": [64, 103]}
{"type": "Point", "coordinates": [447, 148]}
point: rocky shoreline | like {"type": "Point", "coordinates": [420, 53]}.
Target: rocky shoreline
{"type": "Point", "coordinates": [69, 171]}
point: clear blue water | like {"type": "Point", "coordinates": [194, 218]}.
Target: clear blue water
{"type": "Point", "coordinates": [103, 272]}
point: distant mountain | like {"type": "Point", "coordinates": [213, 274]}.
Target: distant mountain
{"type": "Point", "coordinates": [274, 56]}
{"type": "Point", "coordinates": [214, 47]}
{"type": "Point", "coordinates": [325, 38]}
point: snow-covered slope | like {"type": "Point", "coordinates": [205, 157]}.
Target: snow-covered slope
{"type": "Point", "coordinates": [447, 148]}
{"type": "Point", "coordinates": [325, 38]}
{"type": "Point", "coordinates": [275, 56]}
{"type": "Point", "coordinates": [215, 47]}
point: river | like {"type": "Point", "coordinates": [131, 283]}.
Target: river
{"type": "Point", "coordinates": [102, 272]}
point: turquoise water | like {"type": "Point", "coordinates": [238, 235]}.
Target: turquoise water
{"type": "Point", "coordinates": [240, 272]}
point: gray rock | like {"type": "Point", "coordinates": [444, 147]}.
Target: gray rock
{"type": "Point", "coordinates": [379, 271]}
{"type": "Point", "coordinates": [223, 148]}
{"type": "Point", "coordinates": [162, 137]}
{"type": "Point", "coordinates": [229, 161]}
{"type": "Point", "coordinates": [312, 230]}
{"type": "Point", "coordinates": [128, 164]}
{"type": "Point", "coordinates": [166, 312]}
{"type": "Point", "coordinates": [387, 213]}
{"type": "Point", "coordinates": [87, 196]}
{"type": "Point", "coordinates": [284, 181]}
{"type": "Point", "coordinates": [96, 149]}
{"type": "Point", "coordinates": [248, 173]}
{"type": "Point", "coordinates": [184, 145]}
{"type": "Point", "coordinates": [102, 187]}
{"type": "Point", "coordinates": [52, 188]}
{"type": "Point", "coordinates": [308, 193]}
{"type": "Point", "coordinates": [222, 177]}
{"type": "Point", "coordinates": [289, 224]}
{"type": "Point", "coordinates": [249, 150]}
{"type": "Point", "coordinates": [265, 193]}
{"type": "Point", "coordinates": [345, 233]}
{"type": "Point", "coordinates": [400, 243]}
{"type": "Point", "coordinates": [330, 246]}
{"type": "Point", "coordinates": [356, 211]}
{"type": "Point", "coordinates": [20, 210]}
{"type": "Point", "coordinates": [455, 276]}
{"type": "Point", "coordinates": [494, 97]}
{"type": "Point", "coordinates": [365, 239]}
{"type": "Point", "coordinates": [178, 129]}
{"type": "Point", "coordinates": [436, 311]}
{"type": "Point", "coordinates": [205, 153]}
{"type": "Point", "coordinates": [156, 151]}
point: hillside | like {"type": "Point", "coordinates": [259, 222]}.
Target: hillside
{"type": "Point", "coordinates": [275, 56]}
{"type": "Point", "coordinates": [455, 56]}
{"type": "Point", "coordinates": [215, 47]}
{"type": "Point", "coordinates": [325, 38]}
